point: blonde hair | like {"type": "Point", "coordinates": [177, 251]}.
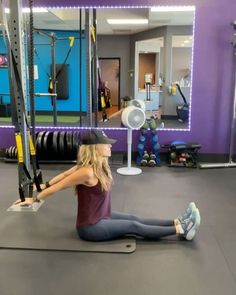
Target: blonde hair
{"type": "Point", "coordinates": [89, 157]}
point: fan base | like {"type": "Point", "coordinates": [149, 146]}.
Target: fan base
{"type": "Point", "coordinates": [129, 171]}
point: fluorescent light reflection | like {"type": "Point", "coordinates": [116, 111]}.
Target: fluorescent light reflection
{"type": "Point", "coordinates": [27, 10]}
{"type": "Point", "coordinates": [172, 8]}
{"type": "Point", "coordinates": [127, 21]}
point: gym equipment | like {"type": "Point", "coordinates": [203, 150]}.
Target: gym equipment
{"type": "Point", "coordinates": [75, 142]}
{"type": "Point", "coordinates": [62, 144]}
{"type": "Point", "coordinates": [145, 159]}
{"type": "Point", "coordinates": [5, 110]}
{"type": "Point", "coordinates": [230, 162]}
{"type": "Point", "coordinates": [182, 110]}
{"type": "Point", "coordinates": [55, 143]}
{"type": "Point", "coordinates": [58, 77]}
{"type": "Point", "coordinates": [69, 146]}
{"type": "Point", "coordinates": [52, 146]}
{"type": "Point", "coordinates": [24, 143]}
{"type": "Point", "coordinates": [154, 156]}
{"type": "Point", "coordinates": [133, 118]}
{"type": "Point", "coordinates": [183, 154]}
{"type": "Point", "coordinates": [39, 143]}
{"type": "Point", "coordinates": [151, 158]}
{"type": "Point", "coordinates": [46, 146]}
{"type": "Point", "coordinates": [89, 45]}
{"type": "Point", "coordinates": [62, 80]}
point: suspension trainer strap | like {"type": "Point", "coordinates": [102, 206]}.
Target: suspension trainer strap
{"type": "Point", "coordinates": [181, 93]}
{"type": "Point", "coordinates": [31, 135]}
{"type": "Point", "coordinates": [22, 166]}
{"type": "Point", "coordinates": [72, 39]}
{"type": "Point", "coordinates": [38, 178]}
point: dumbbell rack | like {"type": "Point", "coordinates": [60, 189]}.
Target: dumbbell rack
{"type": "Point", "coordinates": [186, 155]}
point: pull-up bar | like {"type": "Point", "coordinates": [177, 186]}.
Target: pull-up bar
{"type": "Point", "coordinates": [45, 94]}
{"type": "Point", "coordinates": [36, 94]}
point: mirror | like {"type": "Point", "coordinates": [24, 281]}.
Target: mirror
{"type": "Point", "coordinates": [137, 60]}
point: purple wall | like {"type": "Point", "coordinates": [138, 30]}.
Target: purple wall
{"type": "Point", "coordinates": [213, 74]}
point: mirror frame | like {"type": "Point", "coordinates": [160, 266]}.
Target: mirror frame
{"type": "Point", "coordinates": [194, 8]}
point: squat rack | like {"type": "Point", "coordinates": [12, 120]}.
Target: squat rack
{"type": "Point", "coordinates": [18, 89]}
{"type": "Point", "coordinates": [24, 142]}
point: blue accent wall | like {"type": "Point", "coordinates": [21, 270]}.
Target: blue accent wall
{"type": "Point", "coordinates": [43, 60]}
{"type": "Point", "coordinates": [4, 79]}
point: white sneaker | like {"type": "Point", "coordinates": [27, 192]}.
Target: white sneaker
{"type": "Point", "coordinates": [188, 212]}
{"type": "Point", "coordinates": [191, 224]}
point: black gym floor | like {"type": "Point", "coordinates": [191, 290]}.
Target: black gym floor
{"type": "Point", "coordinates": [204, 266]}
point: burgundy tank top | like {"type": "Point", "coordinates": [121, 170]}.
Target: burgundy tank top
{"type": "Point", "coordinates": [94, 204]}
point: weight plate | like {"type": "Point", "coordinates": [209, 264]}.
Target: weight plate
{"type": "Point", "coordinates": [55, 148]}
{"type": "Point", "coordinates": [75, 140]}
{"type": "Point", "coordinates": [62, 150]}
{"type": "Point", "coordinates": [69, 144]}
{"type": "Point", "coordinates": [45, 145]}
{"type": "Point", "coordinates": [7, 153]}
{"type": "Point", "coordinates": [13, 152]}
{"type": "Point", "coordinates": [10, 152]}
{"type": "Point", "coordinates": [16, 154]}
{"type": "Point", "coordinates": [39, 142]}
{"type": "Point", "coordinates": [49, 145]}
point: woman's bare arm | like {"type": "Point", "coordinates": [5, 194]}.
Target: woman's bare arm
{"type": "Point", "coordinates": [78, 176]}
{"type": "Point", "coordinates": [62, 175]}
{"type": "Point", "coordinates": [57, 178]}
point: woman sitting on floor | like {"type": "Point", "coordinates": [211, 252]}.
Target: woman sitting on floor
{"type": "Point", "coordinates": [92, 179]}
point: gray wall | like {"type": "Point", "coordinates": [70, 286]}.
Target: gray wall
{"type": "Point", "coordinates": [181, 60]}
{"type": "Point", "coordinates": [150, 34]}
{"type": "Point", "coordinates": [117, 46]}
{"type": "Point", "coordinates": [165, 59]}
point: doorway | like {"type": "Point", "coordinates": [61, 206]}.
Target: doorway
{"type": "Point", "coordinates": [110, 75]}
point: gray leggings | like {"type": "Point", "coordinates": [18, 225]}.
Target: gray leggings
{"type": "Point", "coordinates": [121, 224]}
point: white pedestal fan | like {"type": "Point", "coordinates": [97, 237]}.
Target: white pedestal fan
{"type": "Point", "coordinates": [133, 117]}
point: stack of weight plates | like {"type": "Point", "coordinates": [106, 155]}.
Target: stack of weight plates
{"type": "Point", "coordinates": [57, 145]}
{"type": "Point", "coordinates": [52, 145]}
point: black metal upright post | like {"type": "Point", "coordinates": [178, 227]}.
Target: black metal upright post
{"type": "Point", "coordinates": [95, 69]}
{"type": "Point", "coordinates": [18, 84]}
{"type": "Point", "coordinates": [88, 67]}
{"type": "Point", "coordinates": [80, 66]}
{"type": "Point", "coordinates": [53, 79]}
{"type": "Point", "coordinates": [30, 38]}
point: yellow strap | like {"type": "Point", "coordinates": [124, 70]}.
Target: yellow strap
{"type": "Point", "coordinates": [31, 145]}
{"type": "Point", "coordinates": [19, 148]}
{"type": "Point", "coordinates": [92, 30]}
{"type": "Point", "coordinates": [50, 84]}
{"type": "Point", "coordinates": [103, 104]}
{"type": "Point", "coordinates": [173, 89]}
{"type": "Point", "coordinates": [72, 39]}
